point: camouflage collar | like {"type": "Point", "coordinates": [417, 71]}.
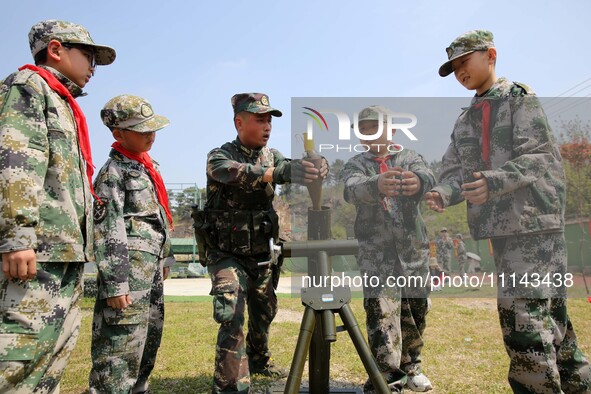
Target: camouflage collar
{"type": "Point", "coordinates": [248, 152]}
{"type": "Point", "coordinates": [74, 89]}
{"type": "Point", "coordinates": [117, 156]}
{"type": "Point", "coordinates": [499, 89]}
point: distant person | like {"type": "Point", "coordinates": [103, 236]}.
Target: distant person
{"type": "Point", "coordinates": [461, 253]}
{"type": "Point", "coordinates": [505, 163]}
{"type": "Point", "coordinates": [445, 246]}
{"type": "Point", "coordinates": [386, 184]}
{"type": "Point", "coordinates": [132, 224]}
{"type": "Point", "coordinates": [45, 210]}
{"type": "Point", "coordinates": [241, 179]}
{"type": "Point", "coordinates": [436, 274]}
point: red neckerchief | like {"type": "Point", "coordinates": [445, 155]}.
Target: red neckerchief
{"type": "Point", "coordinates": [382, 160]}
{"type": "Point", "coordinates": [485, 106]}
{"type": "Point", "coordinates": [383, 168]}
{"type": "Point", "coordinates": [145, 159]}
{"type": "Point", "coordinates": [79, 118]}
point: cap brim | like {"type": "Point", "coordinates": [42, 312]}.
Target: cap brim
{"type": "Point", "coordinates": [267, 110]}
{"type": "Point", "coordinates": [446, 67]}
{"type": "Point", "coordinates": [155, 123]}
{"type": "Point", "coordinates": [104, 55]}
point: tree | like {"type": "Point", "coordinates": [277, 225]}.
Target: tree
{"type": "Point", "coordinates": [181, 202]}
{"type": "Point", "coordinates": [334, 174]}
{"type": "Point", "coordinates": [575, 149]}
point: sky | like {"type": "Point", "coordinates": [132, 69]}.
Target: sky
{"type": "Point", "coordinates": [189, 57]}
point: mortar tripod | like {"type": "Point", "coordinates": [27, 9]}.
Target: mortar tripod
{"type": "Point", "coordinates": [321, 303]}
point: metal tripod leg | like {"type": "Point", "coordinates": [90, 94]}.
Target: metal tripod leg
{"type": "Point", "coordinates": [375, 376]}
{"type": "Point", "coordinates": [294, 378]}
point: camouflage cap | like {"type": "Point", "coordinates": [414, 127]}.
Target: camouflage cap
{"type": "Point", "coordinates": [471, 41]}
{"type": "Point", "coordinates": [127, 112]}
{"type": "Point", "coordinates": [373, 113]}
{"type": "Point", "coordinates": [62, 31]}
{"type": "Point", "coordinates": [443, 229]}
{"type": "Point", "coordinates": [256, 103]}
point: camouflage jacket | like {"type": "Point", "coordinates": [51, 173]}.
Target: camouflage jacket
{"type": "Point", "coordinates": [526, 180]}
{"type": "Point", "coordinates": [235, 181]}
{"type": "Point", "coordinates": [376, 227]}
{"type": "Point", "coordinates": [461, 249]}
{"type": "Point", "coordinates": [46, 202]}
{"type": "Point", "coordinates": [444, 249]}
{"type": "Point", "coordinates": [129, 218]}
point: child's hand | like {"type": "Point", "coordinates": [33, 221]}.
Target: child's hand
{"type": "Point", "coordinates": [476, 192]}
{"type": "Point", "coordinates": [119, 302]}
{"type": "Point", "coordinates": [411, 183]}
{"type": "Point", "coordinates": [388, 185]}
{"type": "Point", "coordinates": [434, 201]}
{"type": "Point", "coordinates": [165, 272]}
{"type": "Point", "coordinates": [21, 264]}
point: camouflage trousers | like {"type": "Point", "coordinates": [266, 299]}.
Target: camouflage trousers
{"type": "Point", "coordinates": [232, 289]}
{"type": "Point", "coordinates": [39, 327]}
{"type": "Point", "coordinates": [444, 261]}
{"type": "Point", "coordinates": [538, 334]}
{"type": "Point", "coordinates": [462, 264]}
{"type": "Point", "coordinates": [395, 328]}
{"type": "Point", "coordinates": [125, 342]}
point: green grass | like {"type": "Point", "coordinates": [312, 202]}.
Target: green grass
{"type": "Point", "coordinates": [463, 346]}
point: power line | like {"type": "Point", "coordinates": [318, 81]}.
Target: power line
{"type": "Point", "coordinates": [572, 104]}
{"type": "Point", "coordinates": [557, 100]}
{"type": "Point", "coordinates": [555, 105]}
{"type": "Point", "coordinates": [574, 87]}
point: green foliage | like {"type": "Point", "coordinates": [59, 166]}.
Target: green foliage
{"type": "Point", "coordinates": [454, 218]}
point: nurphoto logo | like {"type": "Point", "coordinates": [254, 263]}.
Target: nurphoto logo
{"type": "Point", "coordinates": [389, 123]}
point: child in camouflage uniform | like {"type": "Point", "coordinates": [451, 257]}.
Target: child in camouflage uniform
{"type": "Point", "coordinates": [133, 251]}
{"type": "Point", "coordinates": [45, 220]}
{"type": "Point", "coordinates": [386, 184]}
{"type": "Point", "coordinates": [505, 163]}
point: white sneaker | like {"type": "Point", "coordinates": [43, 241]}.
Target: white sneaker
{"type": "Point", "coordinates": [419, 383]}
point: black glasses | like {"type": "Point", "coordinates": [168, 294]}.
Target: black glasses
{"type": "Point", "coordinates": [85, 50]}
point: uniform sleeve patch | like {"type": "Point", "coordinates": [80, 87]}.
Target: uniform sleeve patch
{"type": "Point", "coordinates": [99, 211]}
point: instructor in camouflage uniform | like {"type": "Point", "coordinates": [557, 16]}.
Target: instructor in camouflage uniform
{"type": "Point", "coordinates": [45, 205]}
{"type": "Point", "coordinates": [386, 184]}
{"type": "Point", "coordinates": [241, 176]}
{"type": "Point", "coordinates": [132, 225]}
{"type": "Point", "coordinates": [504, 162]}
